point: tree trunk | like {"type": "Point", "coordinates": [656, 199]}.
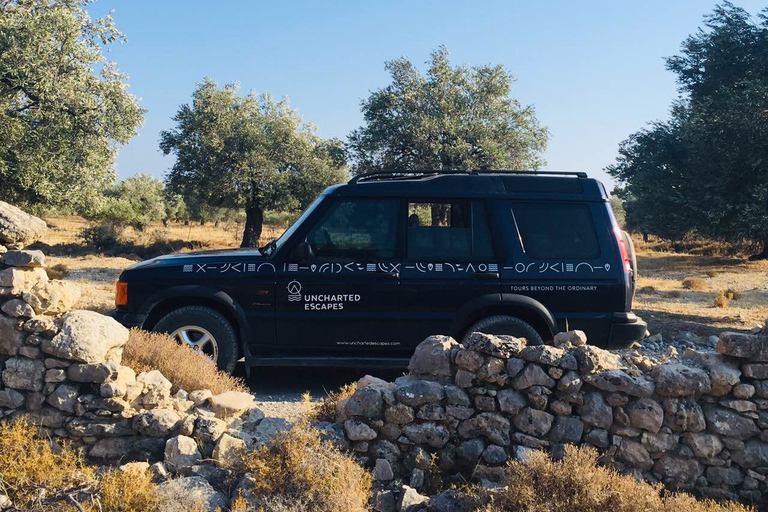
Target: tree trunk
{"type": "Point", "coordinates": [254, 219]}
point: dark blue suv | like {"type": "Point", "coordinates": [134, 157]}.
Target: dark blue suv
{"type": "Point", "coordinates": [374, 266]}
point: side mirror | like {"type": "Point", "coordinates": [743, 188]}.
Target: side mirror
{"type": "Point", "coordinates": [303, 252]}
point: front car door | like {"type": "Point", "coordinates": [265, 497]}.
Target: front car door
{"type": "Point", "coordinates": [345, 298]}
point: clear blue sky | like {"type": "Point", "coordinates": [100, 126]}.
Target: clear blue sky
{"type": "Point", "coordinates": [593, 70]}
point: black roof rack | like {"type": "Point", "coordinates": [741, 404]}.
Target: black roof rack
{"type": "Point", "coordinates": [405, 175]}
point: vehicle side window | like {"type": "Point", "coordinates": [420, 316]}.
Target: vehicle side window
{"type": "Point", "coordinates": [556, 230]}
{"type": "Point", "coordinates": [439, 229]}
{"type": "Point", "coordinates": [357, 228]}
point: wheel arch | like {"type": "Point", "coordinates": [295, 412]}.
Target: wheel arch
{"type": "Point", "coordinates": [525, 308]}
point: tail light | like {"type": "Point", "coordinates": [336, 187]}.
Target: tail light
{"type": "Point", "coordinates": [121, 294]}
{"type": "Point", "coordinates": [625, 259]}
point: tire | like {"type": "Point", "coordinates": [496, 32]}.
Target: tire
{"type": "Point", "coordinates": [203, 321]}
{"type": "Point", "coordinates": [505, 324]}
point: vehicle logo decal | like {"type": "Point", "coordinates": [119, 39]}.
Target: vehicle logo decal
{"type": "Point", "coordinates": [294, 291]}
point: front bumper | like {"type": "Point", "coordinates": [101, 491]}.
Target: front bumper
{"type": "Point", "coordinates": [130, 319]}
{"type": "Point", "coordinates": [626, 328]}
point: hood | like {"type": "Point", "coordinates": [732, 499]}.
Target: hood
{"type": "Point", "coordinates": [191, 257]}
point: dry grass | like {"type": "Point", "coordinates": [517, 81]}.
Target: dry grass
{"type": "Point", "coordinates": [57, 271]}
{"type": "Point", "coordinates": [299, 467]}
{"type": "Point", "coordinates": [185, 368]}
{"type": "Point", "coordinates": [129, 491]}
{"type": "Point", "coordinates": [579, 484]}
{"type": "Point", "coordinates": [29, 466]}
{"type": "Point", "coordinates": [695, 283]}
{"type": "Point", "coordinates": [325, 409]}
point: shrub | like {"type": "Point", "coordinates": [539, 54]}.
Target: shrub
{"type": "Point", "coordinates": [57, 271]}
{"type": "Point", "coordinates": [732, 294]}
{"type": "Point", "coordinates": [695, 283]}
{"type": "Point", "coordinates": [712, 273]}
{"type": "Point", "coordinates": [102, 236]}
{"type": "Point", "coordinates": [299, 467]}
{"type": "Point", "coordinates": [325, 410]}
{"type": "Point", "coordinates": [128, 491]}
{"type": "Point", "coordinates": [673, 294]}
{"type": "Point", "coordinates": [722, 300]}
{"type": "Point", "coordinates": [185, 368]}
{"type": "Point", "coordinates": [579, 484]}
{"type": "Point", "coordinates": [28, 464]}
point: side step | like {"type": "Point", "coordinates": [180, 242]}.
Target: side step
{"type": "Point", "coordinates": [340, 362]}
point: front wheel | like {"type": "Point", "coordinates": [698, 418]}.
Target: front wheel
{"type": "Point", "coordinates": [505, 324]}
{"type": "Point", "coordinates": [204, 330]}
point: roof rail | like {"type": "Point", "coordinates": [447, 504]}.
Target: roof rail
{"type": "Point", "coordinates": [404, 175]}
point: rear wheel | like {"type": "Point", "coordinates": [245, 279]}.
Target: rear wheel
{"type": "Point", "coordinates": [505, 324]}
{"type": "Point", "coordinates": [204, 330]}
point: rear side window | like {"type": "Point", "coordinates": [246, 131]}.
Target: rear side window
{"type": "Point", "coordinates": [439, 230]}
{"type": "Point", "coordinates": [556, 230]}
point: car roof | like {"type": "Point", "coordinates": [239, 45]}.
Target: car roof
{"type": "Point", "coordinates": [475, 184]}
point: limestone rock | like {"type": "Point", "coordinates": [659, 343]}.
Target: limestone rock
{"type": "Point", "coordinates": [25, 374]}
{"type": "Point", "coordinates": [17, 308]}
{"type": "Point", "coordinates": [190, 493]}
{"type": "Point", "coordinates": [17, 280]}
{"type": "Point", "coordinates": [679, 380]}
{"type": "Point", "coordinates": [646, 414]}
{"type": "Point", "coordinates": [231, 403]}
{"type": "Point", "coordinates": [592, 359]}
{"type": "Point", "coordinates": [620, 381]}
{"type": "Point", "coordinates": [432, 358]}
{"type": "Point", "coordinates": [23, 258]}
{"type": "Point", "coordinates": [157, 389]}
{"type": "Point", "coordinates": [492, 426]}
{"type": "Point", "coordinates": [229, 450]}
{"type": "Point", "coordinates": [532, 375]}
{"type": "Point", "coordinates": [11, 339]}
{"type": "Point", "coordinates": [88, 337]}
{"type": "Point", "coordinates": [156, 422]}
{"type": "Point", "coordinates": [53, 297]}
{"type": "Point", "coordinates": [569, 339]}
{"type": "Point", "coordinates": [18, 228]}
{"type": "Point", "coordinates": [181, 451]}
{"type": "Point", "coordinates": [595, 411]}
{"type": "Point", "coordinates": [495, 345]}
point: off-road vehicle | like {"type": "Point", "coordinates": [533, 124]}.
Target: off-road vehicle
{"type": "Point", "coordinates": [375, 265]}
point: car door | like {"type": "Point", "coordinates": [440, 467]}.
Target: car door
{"type": "Point", "coordinates": [344, 298]}
{"type": "Point", "coordinates": [449, 261]}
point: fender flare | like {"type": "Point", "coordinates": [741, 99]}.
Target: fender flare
{"type": "Point", "coordinates": [461, 319]}
{"type": "Point", "coordinates": [203, 292]}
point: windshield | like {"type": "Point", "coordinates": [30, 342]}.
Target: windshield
{"type": "Point", "coordinates": [293, 227]}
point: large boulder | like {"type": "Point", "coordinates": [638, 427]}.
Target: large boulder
{"type": "Point", "coordinates": [88, 337]}
{"type": "Point", "coordinates": [432, 358]}
{"type": "Point", "coordinates": [53, 297]}
{"type": "Point", "coordinates": [23, 259]}
{"type": "Point", "coordinates": [17, 280]}
{"type": "Point", "coordinates": [18, 228]}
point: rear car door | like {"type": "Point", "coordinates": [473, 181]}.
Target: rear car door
{"type": "Point", "coordinates": [345, 298]}
{"type": "Point", "coordinates": [562, 254]}
{"type": "Point", "coordinates": [449, 260]}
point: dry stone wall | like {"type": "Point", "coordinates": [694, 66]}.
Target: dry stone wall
{"type": "Point", "coordinates": [700, 426]}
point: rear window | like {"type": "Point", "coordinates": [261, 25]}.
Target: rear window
{"type": "Point", "coordinates": [556, 230]}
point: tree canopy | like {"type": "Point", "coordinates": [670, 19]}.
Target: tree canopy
{"type": "Point", "coordinates": [705, 169]}
{"type": "Point", "coordinates": [64, 108]}
{"type": "Point", "coordinates": [453, 118]}
{"type": "Point", "coordinates": [248, 151]}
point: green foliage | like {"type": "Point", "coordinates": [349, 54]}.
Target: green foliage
{"type": "Point", "coordinates": [64, 108]}
{"type": "Point", "coordinates": [617, 205]}
{"type": "Point", "coordinates": [248, 151]}
{"type": "Point", "coordinates": [137, 201]}
{"type": "Point", "coordinates": [703, 170]}
{"type": "Point", "coordinates": [453, 118]}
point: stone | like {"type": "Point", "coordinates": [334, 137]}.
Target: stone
{"type": "Point", "coordinates": [18, 228]}
{"type": "Point", "coordinates": [542, 354]}
{"type": "Point", "coordinates": [454, 395]}
{"type": "Point", "coordinates": [471, 450]}
{"type": "Point", "coordinates": [743, 391]}
{"type": "Point", "coordinates": [190, 493]}
{"type": "Point", "coordinates": [464, 379]}
{"type": "Point", "coordinates": [134, 467]}
{"type": "Point", "coordinates": [17, 308]}
{"type": "Point", "coordinates": [683, 415]}
{"type": "Point", "coordinates": [522, 453]}
{"type": "Point", "coordinates": [382, 471]}
{"type": "Point", "coordinates": [469, 360]}
{"type": "Point", "coordinates": [634, 454]}
{"type": "Point", "coordinates": [492, 426]}
{"type": "Point", "coordinates": [493, 371]}
{"type": "Point", "coordinates": [595, 411]}
{"type": "Point", "coordinates": [384, 501]}
{"type": "Point", "coordinates": [532, 375]}
{"type": "Point", "coordinates": [267, 430]}
{"type": "Point", "coordinates": [646, 414]}
{"type": "Point", "coordinates": [41, 325]}
{"type": "Point", "coordinates": [11, 399]}
{"type": "Point", "coordinates": [428, 433]}
{"type": "Point", "coordinates": [739, 405]}
{"type": "Point", "coordinates": [494, 454]}
{"type": "Point", "coordinates": [24, 374]}
{"type": "Point", "coordinates": [569, 339]}
{"type": "Point", "coordinates": [156, 422]}
{"type": "Point", "coordinates": [729, 423]}
{"type": "Point", "coordinates": [678, 473]}
{"type": "Point", "coordinates": [359, 431]}
{"type": "Point", "coordinates": [722, 378]}
{"type": "Point", "coordinates": [434, 412]}
{"type": "Point", "coordinates": [561, 408]}
{"type": "Point", "coordinates": [620, 381]}
{"type": "Point", "coordinates": [592, 359]}
{"type": "Point", "coordinates": [659, 443]}
{"type": "Point", "coordinates": [88, 337]}
{"type": "Point", "coordinates": [514, 366]}
{"type": "Point", "coordinates": [533, 422]}
{"type": "Point", "coordinates": [229, 450]}
{"type": "Point", "coordinates": [157, 389]}
{"type": "Point", "coordinates": [416, 392]}
{"type": "Point", "coordinates": [53, 297]}
{"type": "Point", "coordinates": [597, 437]}
{"type": "Point", "coordinates": [679, 380]}
{"type": "Point", "coordinates": [64, 398]}
{"type": "Point", "coordinates": [724, 476]}
{"type": "Point", "coordinates": [570, 383]}
{"type": "Point", "coordinates": [704, 446]}
{"type": "Point", "coordinates": [566, 430]}
{"type": "Point", "coordinates": [417, 478]}
{"type": "Point", "coordinates": [510, 401]}
{"type": "Point", "coordinates": [96, 373]}
{"type": "Point", "coordinates": [410, 499]}
{"type": "Point", "coordinates": [11, 338]}
{"type": "Point", "coordinates": [181, 451]}
{"type": "Point", "coordinates": [17, 280]}
{"type": "Point", "coordinates": [755, 370]}
{"type": "Point", "coordinates": [385, 449]}
{"type": "Point", "coordinates": [26, 258]}
{"type": "Point", "coordinates": [495, 345]}
{"type": "Point", "coordinates": [365, 403]}
{"type": "Point", "coordinates": [744, 346]}
{"type": "Point", "coordinates": [229, 403]}
{"type": "Point", "coordinates": [432, 358]}
{"type": "Point", "coordinates": [399, 414]}
{"type": "Point", "coordinates": [200, 397]}
{"type": "Point", "coordinates": [753, 455]}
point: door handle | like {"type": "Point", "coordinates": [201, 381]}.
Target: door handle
{"type": "Point", "coordinates": [485, 275]}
